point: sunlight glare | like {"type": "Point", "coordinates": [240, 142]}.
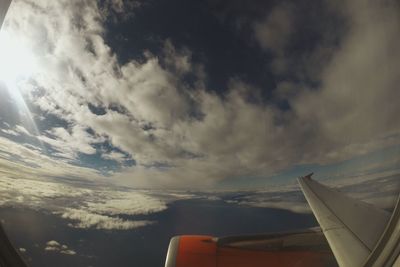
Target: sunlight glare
{"type": "Point", "coordinates": [16, 60]}
{"type": "Point", "coordinates": [17, 63]}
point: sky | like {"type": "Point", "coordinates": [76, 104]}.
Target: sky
{"type": "Point", "coordinates": [197, 95]}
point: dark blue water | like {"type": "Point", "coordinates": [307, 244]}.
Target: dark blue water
{"type": "Point", "coordinates": [144, 246]}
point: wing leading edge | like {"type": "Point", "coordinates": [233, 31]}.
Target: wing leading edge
{"type": "Point", "coordinates": [352, 227]}
{"type": "Point", "coordinates": [4, 5]}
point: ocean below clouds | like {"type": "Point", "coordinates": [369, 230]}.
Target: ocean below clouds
{"type": "Point", "coordinates": [59, 224]}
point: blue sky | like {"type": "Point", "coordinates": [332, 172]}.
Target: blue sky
{"type": "Point", "coordinates": [200, 94]}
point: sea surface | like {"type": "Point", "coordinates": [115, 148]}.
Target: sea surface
{"type": "Point", "coordinates": [145, 246]}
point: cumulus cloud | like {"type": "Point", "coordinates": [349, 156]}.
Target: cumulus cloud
{"type": "Point", "coordinates": [84, 219]}
{"type": "Point", "coordinates": [180, 61]}
{"type": "Point", "coordinates": [182, 135]}
{"type": "Point", "coordinates": [53, 245]}
{"type": "Point", "coordinates": [84, 206]}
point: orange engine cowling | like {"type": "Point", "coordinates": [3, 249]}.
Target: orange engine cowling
{"type": "Point", "coordinates": [193, 251]}
{"type": "Point", "coordinates": [207, 251]}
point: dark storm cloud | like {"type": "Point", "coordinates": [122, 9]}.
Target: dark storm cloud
{"type": "Point", "coordinates": [187, 133]}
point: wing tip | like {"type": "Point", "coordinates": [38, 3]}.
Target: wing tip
{"type": "Point", "coordinates": [308, 177]}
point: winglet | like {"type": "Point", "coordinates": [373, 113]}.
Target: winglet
{"type": "Point", "coordinates": [352, 227]}
{"type": "Point", "coordinates": [308, 176]}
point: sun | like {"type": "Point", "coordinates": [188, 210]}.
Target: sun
{"type": "Point", "coordinates": [17, 63]}
{"type": "Point", "coordinates": [16, 60]}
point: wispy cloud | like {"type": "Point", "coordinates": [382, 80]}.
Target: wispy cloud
{"type": "Point", "coordinates": [85, 219]}
{"type": "Point", "coordinates": [70, 142]}
{"type": "Point", "coordinates": [381, 190]}
{"type": "Point", "coordinates": [24, 160]}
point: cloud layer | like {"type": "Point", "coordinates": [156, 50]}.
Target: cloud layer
{"type": "Point", "coordinates": [84, 219]}
{"type": "Point", "coordinates": [181, 134]}
{"type": "Point", "coordinates": [83, 206]}
{"type": "Point", "coordinates": [379, 189]}
{"type": "Point", "coordinates": [114, 208]}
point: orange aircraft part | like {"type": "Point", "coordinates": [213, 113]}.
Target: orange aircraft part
{"type": "Point", "coordinates": [196, 251]}
{"type": "Point", "coordinates": [202, 251]}
{"type": "Point", "coordinates": [234, 257]}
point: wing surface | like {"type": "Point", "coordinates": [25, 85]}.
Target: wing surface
{"type": "Point", "coordinates": [4, 4]}
{"type": "Point", "coordinates": [352, 227]}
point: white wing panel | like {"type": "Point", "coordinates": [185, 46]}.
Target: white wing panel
{"type": "Point", "coordinates": [4, 4]}
{"type": "Point", "coordinates": [351, 227]}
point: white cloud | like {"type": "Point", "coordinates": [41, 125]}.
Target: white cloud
{"type": "Point", "coordinates": [111, 208]}
{"type": "Point", "coordinates": [114, 155]}
{"type": "Point", "coordinates": [31, 162]}
{"type": "Point", "coordinates": [51, 249]}
{"type": "Point", "coordinates": [10, 132]}
{"type": "Point", "coordinates": [20, 161]}
{"type": "Point", "coordinates": [16, 131]}
{"type": "Point", "coordinates": [297, 207]}
{"type": "Point", "coordinates": [55, 246]}
{"type": "Point", "coordinates": [53, 243]}
{"type": "Point", "coordinates": [128, 203]}
{"type": "Point", "coordinates": [84, 219]}
{"type": "Point", "coordinates": [22, 129]}
{"type": "Point", "coordinates": [85, 207]}
{"type": "Point", "coordinates": [68, 252]}
{"type": "Point", "coordinates": [70, 143]}
{"type": "Point", "coordinates": [352, 112]}
{"type": "Point", "coordinates": [380, 189]}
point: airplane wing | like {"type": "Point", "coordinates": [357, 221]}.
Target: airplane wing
{"type": "Point", "coordinates": [4, 4]}
{"type": "Point", "coordinates": [9, 257]}
{"type": "Point", "coordinates": [353, 228]}
{"type": "Point", "coordinates": [300, 249]}
{"type": "Point", "coordinates": [358, 234]}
